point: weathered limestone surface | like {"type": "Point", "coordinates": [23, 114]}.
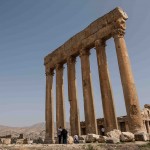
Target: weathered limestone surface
{"type": "Point", "coordinates": [89, 109]}
{"type": "Point", "coordinates": [127, 137]}
{"type": "Point", "coordinates": [72, 93]}
{"type": "Point", "coordinates": [91, 138]}
{"type": "Point", "coordinates": [110, 25]}
{"type": "Point", "coordinates": [129, 89]}
{"type": "Point", "coordinates": [49, 107]}
{"type": "Point", "coordinates": [106, 90]}
{"type": "Point", "coordinates": [100, 28]}
{"type": "Point", "coordinates": [114, 133]}
{"type": "Point", "coordinates": [60, 107]}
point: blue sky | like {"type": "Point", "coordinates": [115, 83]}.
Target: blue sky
{"type": "Point", "coordinates": [31, 29]}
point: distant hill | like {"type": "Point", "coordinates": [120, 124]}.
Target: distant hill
{"type": "Point", "coordinates": [32, 132]}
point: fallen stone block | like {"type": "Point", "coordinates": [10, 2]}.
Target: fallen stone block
{"type": "Point", "coordinates": [112, 140]}
{"type": "Point", "coordinates": [102, 139]}
{"type": "Point", "coordinates": [81, 141]}
{"type": "Point", "coordinates": [82, 137]}
{"type": "Point", "coordinates": [91, 138]}
{"type": "Point", "coordinates": [141, 136]}
{"type": "Point", "coordinates": [70, 140]}
{"type": "Point", "coordinates": [114, 133]}
{"type": "Point", "coordinates": [127, 137]}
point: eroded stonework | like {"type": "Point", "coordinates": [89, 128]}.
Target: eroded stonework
{"type": "Point", "coordinates": [95, 36]}
{"type": "Point", "coordinates": [99, 29]}
{"type": "Point", "coordinates": [122, 122]}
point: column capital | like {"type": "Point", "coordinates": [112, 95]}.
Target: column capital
{"type": "Point", "coordinates": [71, 60]}
{"type": "Point", "coordinates": [100, 42]}
{"type": "Point", "coordinates": [49, 72]}
{"type": "Point", "coordinates": [118, 33]}
{"type": "Point", "coordinates": [119, 28]}
{"type": "Point", "coordinates": [59, 67]}
{"type": "Point", "coordinates": [84, 52]}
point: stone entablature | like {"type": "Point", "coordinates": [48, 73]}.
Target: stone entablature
{"type": "Point", "coordinates": [99, 29]}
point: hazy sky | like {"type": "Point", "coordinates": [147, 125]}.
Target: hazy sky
{"type": "Point", "coordinates": [31, 29]}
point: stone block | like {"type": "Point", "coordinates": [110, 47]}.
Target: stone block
{"type": "Point", "coordinates": [30, 141]}
{"type": "Point", "coordinates": [20, 141]}
{"type": "Point", "coordinates": [112, 140]}
{"type": "Point", "coordinates": [70, 140]}
{"type": "Point", "coordinates": [6, 141]}
{"type": "Point", "coordinates": [141, 136]}
{"type": "Point", "coordinates": [102, 139]}
{"type": "Point", "coordinates": [82, 137]}
{"type": "Point", "coordinates": [91, 138]}
{"type": "Point", "coordinates": [114, 133]}
{"type": "Point", "coordinates": [127, 137]}
{"type": "Point", "coordinates": [81, 141]}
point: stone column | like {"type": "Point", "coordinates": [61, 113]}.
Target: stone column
{"type": "Point", "coordinates": [49, 113]}
{"type": "Point", "coordinates": [60, 106]}
{"type": "Point", "coordinates": [127, 126]}
{"type": "Point", "coordinates": [129, 88]}
{"type": "Point", "coordinates": [106, 90]}
{"type": "Point", "coordinates": [89, 110]}
{"type": "Point", "coordinates": [72, 94]}
{"type": "Point", "coordinates": [147, 127]}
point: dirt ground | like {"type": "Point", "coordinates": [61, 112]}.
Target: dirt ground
{"type": "Point", "coordinates": [90, 146]}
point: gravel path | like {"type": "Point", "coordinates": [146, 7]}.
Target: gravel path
{"type": "Point", "coordinates": [90, 146]}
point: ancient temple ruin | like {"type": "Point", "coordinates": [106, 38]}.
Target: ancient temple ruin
{"type": "Point", "coordinates": [111, 25]}
{"type": "Point", "coordinates": [123, 124]}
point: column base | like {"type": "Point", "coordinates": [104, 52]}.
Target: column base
{"type": "Point", "coordinates": [49, 141]}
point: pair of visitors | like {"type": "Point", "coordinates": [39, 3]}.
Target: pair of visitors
{"type": "Point", "coordinates": [62, 133]}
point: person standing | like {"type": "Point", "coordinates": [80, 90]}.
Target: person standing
{"type": "Point", "coordinates": [59, 134]}
{"type": "Point", "coordinates": [103, 131]}
{"type": "Point", "coordinates": [76, 139]}
{"type": "Point", "coordinates": [64, 135]}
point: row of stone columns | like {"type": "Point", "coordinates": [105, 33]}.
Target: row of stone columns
{"type": "Point", "coordinates": [129, 90]}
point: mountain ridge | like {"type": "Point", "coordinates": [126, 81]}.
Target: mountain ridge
{"type": "Point", "coordinates": [33, 132]}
